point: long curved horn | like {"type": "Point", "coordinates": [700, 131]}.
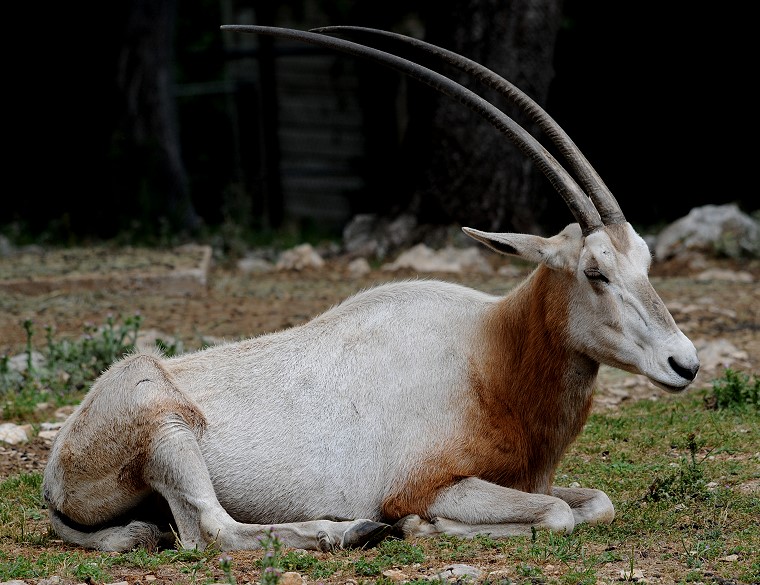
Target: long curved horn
{"type": "Point", "coordinates": [592, 183]}
{"type": "Point", "coordinates": [580, 205]}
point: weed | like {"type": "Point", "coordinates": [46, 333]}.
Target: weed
{"type": "Point", "coordinates": [734, 390]}
{"type": "Point", "coordinates": [271, 563]}
{"type": "Point", "coordinates": [225, 563]}
{"type": "Point", "coordinates": [533, 572]}
{"type": "Point", "coordinates": [20, 509]}
{"type": "Point", "coordinates": [391, 553]}
{"type": "Point", "coordinates": [305, 562]}
{"type": "Point", "coordinates": [687, 482]}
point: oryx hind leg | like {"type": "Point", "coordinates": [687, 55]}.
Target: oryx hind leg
{"type": "Point", "coordinates": [178, 472]}
{"type": "Point", "coordinates": [472, 507]}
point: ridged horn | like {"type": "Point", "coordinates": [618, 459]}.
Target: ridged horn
{"type": "Point", "coordinates": [580, 205]}
{"type": "Point", "coordinates": [592, 183]}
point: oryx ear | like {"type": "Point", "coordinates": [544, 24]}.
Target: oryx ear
{"type": "Point", "coordinates": [555, 252]}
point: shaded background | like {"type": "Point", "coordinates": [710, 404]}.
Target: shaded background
{"type": "Point", "coordinates": [141, 120]}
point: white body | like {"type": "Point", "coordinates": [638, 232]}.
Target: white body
{"type": "Point", "coordinates": [426, 404]}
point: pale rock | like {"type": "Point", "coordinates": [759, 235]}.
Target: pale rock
{"type": "Point", "coordinates": [19, 363]}
{"type": "Point", "coordinates": [395, 575]}
{"type": "Point", "coordinates": [48, 435]}
{"type": "Point", "coordinates": [358, 267]}
{"type": "Point", "coordinates": [719, 353]}
{"type": "Point", "coordinates": [710, 229]}
{"type": "Point", "coordinates": [291, 578]}
{"type": "Point", "coordinates": [635, 575]}
{"type": "Point", "coordinates": [375, 236]}
{"type": "Point", "coordinates": [459, 571]}
{"type": "Point", "coordinates": [509, 271]}
{"type": "Point", "coordinates": [64, 412]}
{"type": "Point", "coordinates": [725, 275]}
{"type": "Point", "coordinates": [300, 257]}
{"type": "Point", "coordinates": [13, 434]}
{"type": "Point", "coordinates": [254, 265]}
{"type": "Point", "coordinates": [449, 259]}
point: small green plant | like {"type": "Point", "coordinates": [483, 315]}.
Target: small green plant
{"type": "Point", "coordinates": [271, 563]}
{"type": "Point", "coordinates": [225, 563]}
{"type": "Point", "coordinates": [526, 570]}
{"type": "Point", "coordinates": [29, 328]}
{"type": "Point", "coordinates": [391, 553]}
{"type": "Point", "coordinates": [687, 482]}
{"type": "Point", "coordinates": [304, 562]}
{"type": "Point", "coordinates": [735, 390]}
{"type": "Point", "coordinates": [21, 508]}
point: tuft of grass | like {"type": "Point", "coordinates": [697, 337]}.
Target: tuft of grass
{"type": "Point", "coordinates": [304, 562]}
{"type": "Point", "coordinates": [389, 553]}
{"type": "Point", "coordinates": [21, 513]}
{"type": "Point", "coordinates": [686, 482]}
{"type": "Point", "coordinates": [735, 390]}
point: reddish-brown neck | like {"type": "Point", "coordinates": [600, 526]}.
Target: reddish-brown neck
{"type": "Point", "coordinates": [532, 392]}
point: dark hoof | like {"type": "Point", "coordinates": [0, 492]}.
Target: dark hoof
{"type": "Point", "coordinates": [366, 535]}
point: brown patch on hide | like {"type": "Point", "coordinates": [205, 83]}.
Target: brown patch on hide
{"type": "Point", "coordinates": [531, 393]}
{"type": "Point", "coordinates": [418, 493]}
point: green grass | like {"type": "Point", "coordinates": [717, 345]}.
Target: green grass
{"type": "Point", "coordinates": [682, 471]}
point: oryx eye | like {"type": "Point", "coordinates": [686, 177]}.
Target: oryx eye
{"type": "Point", "coordinates": [595, 275]}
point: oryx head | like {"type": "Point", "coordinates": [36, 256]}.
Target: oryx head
{"type": "Point", "coordinates": [615, 316]}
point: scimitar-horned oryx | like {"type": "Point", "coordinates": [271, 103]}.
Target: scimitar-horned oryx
{"type": "Point", "coordinates": [415, 408]}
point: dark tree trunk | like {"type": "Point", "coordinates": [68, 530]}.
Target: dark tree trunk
{"type": "Point", "coordinates": [475, 176]}
{"type": "Point", "coordinates": [147, 168]}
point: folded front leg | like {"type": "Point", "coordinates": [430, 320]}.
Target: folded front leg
{"type": "Point", "coordinates": [473, 506]}
{"type": "Point", "coordinates": [588, 505]}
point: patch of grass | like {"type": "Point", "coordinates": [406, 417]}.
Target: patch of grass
{"type": "Point", "coordinates": [305, 563]}
{"type": "Point", "coordinates": [21, 513]}
{"type": "Point", "coordinates": [100, 567]}
{"type": "Point", "coordinates": [686, 482]}
{"type": "Point", "coordinates": [735, 390]}
{"type": "Point", "coordinates": [389, 553]}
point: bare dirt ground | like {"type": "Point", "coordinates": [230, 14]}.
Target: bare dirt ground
{"type": "Point", "coordinates": [722, 317]}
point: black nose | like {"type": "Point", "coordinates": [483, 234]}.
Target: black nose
{"type": "Point", "coordinates": [687, 373]}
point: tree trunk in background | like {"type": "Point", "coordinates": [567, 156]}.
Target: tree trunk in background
{"type": "Point", "coordinates": [147, 168]}
{"type": "Point", "coordinates": [475, 176]}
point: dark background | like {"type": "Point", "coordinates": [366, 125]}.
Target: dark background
{"type": "Point", "coordinates": [659, 96]}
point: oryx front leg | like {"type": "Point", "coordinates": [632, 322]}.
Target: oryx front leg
{"type": "Point", "coordinates": [588, 505]}
{"type": "Point", "coordinates": [473, 506]}
{"type": "Point", "coordinates": [177, 471]}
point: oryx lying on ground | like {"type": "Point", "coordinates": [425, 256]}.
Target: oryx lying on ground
{"type": "Point", "coordinates": [424, 405]}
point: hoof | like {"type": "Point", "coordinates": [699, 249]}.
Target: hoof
{"type": "Point", "coordinates": [367, 534]}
